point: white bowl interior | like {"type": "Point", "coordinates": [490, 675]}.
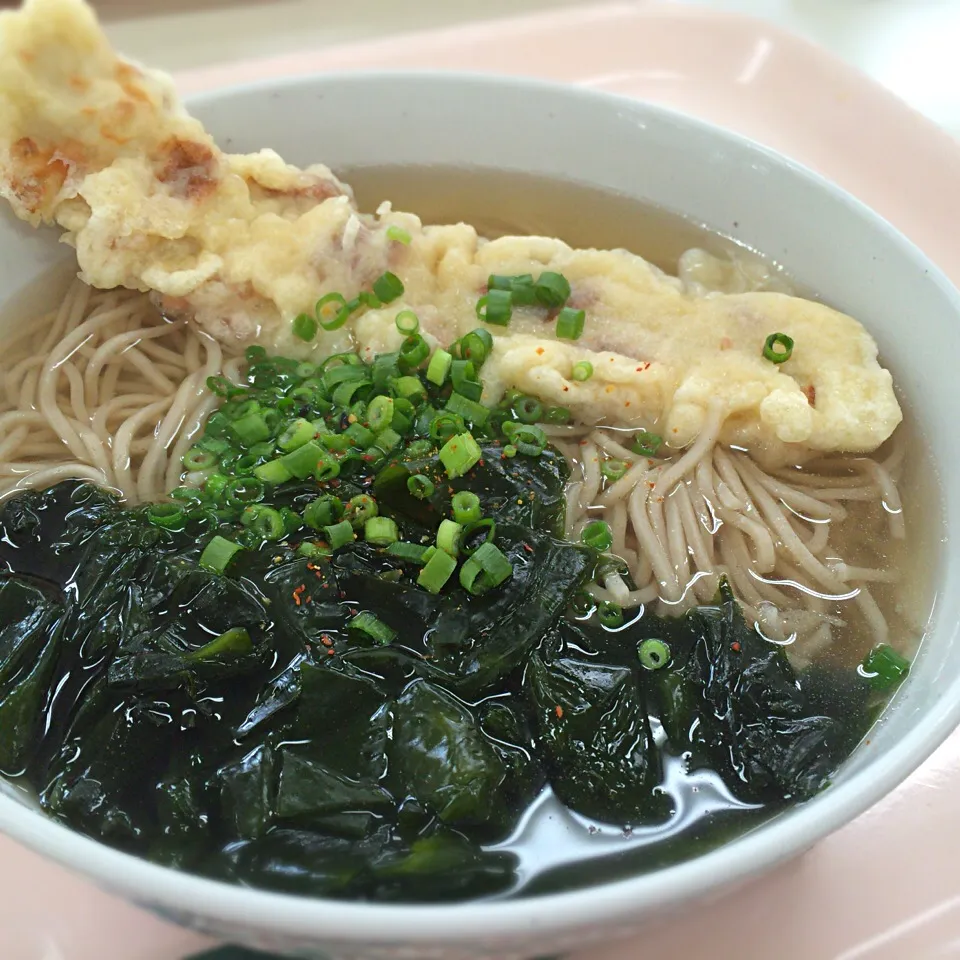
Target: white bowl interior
{"type": "Point", "coordinates": [829, 242]}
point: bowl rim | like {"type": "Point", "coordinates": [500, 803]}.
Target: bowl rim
{"type": "Point", "coordinates": [181, 895]}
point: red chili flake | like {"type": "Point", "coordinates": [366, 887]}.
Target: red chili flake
{"type": "Point", "coordinates": [811, 393]}
{"type": "Point", "coordinates": [558, 710]}
{"type": "Point", "coordinates": [539, 351]}
{"type": "Point", "coordinates": [480, 462]}
{"type": "Point", "coordinates": [297, 592]}
{"type": "Point", "coordinates": [627, 404]}
{"type": "Point", "coordinates": [326, 641]}
{"type": "Point", "coordinates": [334, 483]}
{"type": "Point", "coordinates": [330, 653]}
{"type": "Point", "coordinates": [527, 547]}
{"type": "Point", "coordinates": [312, 566]}
{"type": "Point", "coordinates": [735, 646]}
{"type": "Point", "coordinates": [566, 389]}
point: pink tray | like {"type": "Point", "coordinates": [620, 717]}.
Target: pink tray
{"type": "Point", "coordinates": [887, 886]}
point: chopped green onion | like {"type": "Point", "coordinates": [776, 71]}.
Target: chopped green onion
{"type": "Point", "coordinates": [360, 509]}
{"type": "Point", "coordinates": [305, 326]}
{"type": "Point", "coordinates": [476, 346]}
{"type": "Point", "coordinates": [646, 444]}
{"type": "Point", "coordinates": [370, 300]}
{"type": "Point", "coordinates": [264, 521]}
{"type": "Point", "coordinates": [292, 521]}
{"type": "Point", "coordinates": [463, 376]}
{"type": "Point", "coordinates": [380, 413]}
{"type": "Point", "coordinates": [255, 354]}
{"type": "Point", "coordinates": [460, 454]}
{"type": "Point", "coordinates": [413, 351]}
{"type": "Point", "coordinates": [610, 614]}
{"type": "Point", "coordinates": [170, 516]}
{"type": "Point", "coordinates": [387, 440]}
{"type": "Point", "coordinates": [296, 434]}
{"type": "Point", "coordinates": [218, 553]}
{"type": "Point", "coordinates": [529, 440]}
{"type": "Point", "coordinates": [653, 654]}
{"type": "Point", "coordinates": [380, 531]}
{"type": "Point", "coordinates": [557, 415]}
{"type": "Point", "coordinates": [448, 537]}
{"type": "Point", "coordinates": [410, 388]}
{"type": "Point", "coordinates": [403, 550]}
{"type": "Point", "coordinates": [339, 534]}
{"type": "Point", "coordinates": [343, 374]}
{"type": "Point", "coordinates": [323, 512]}
{"type": "Point", "coordinates": [420, 449]}
{"type": "Point", "coordinates": [327, 311]}
{"type": "Point", "coordinates": [244, 490]}
{"type": "Point", "coordinates": [528, 409]}
{"type": "Point", "coordinates": [468, 410]}
{"type": "Point", "coordinates": [487, 568]}
{"type": "Point", "coordinates": [466, 507]}
{"type": "Point", "coordinates": [552, 289]}
{"type": "Point", "coordinates": [597, 534]}
{"type": "Point", "coordinates": [262, 451]}
{"type": "Point", "coordinates": [398, 234]}
{"type": "Point", "coordinates": [387, 287]}
{"type": "Point", "coordinates": [343, 395]}
{"type": "Point", "coordinates": [341, 442]}
{"type": "Point", "coordinates": [215, 485]}
{"type": "Point", "coordinates": [582, 371]}
{"type": "Point", "coordinates": [468, 541]}
{"type": "Point", "coordinates": [343, 315]}
{"type": "Point", "coordinates": [357, 434]}
{"type": "Point", "coordinates": [509, 450]}
{"type": "Point", "coordinates": [420, 486]}
{"type": "Point", "coordinates": [522, 288]}
{"type": "Point", "coordinates": [196, 458]}
{"type": "Point", "coordinates": [436, 572]}
{"type": "Point", "coordinates": [373, 627]}
{"type": "Point", "coordinates": [303, 461]}
{"type": "Point", "coordinates": [613, 469]}
{"type": "Point", "coordinates": [235, 642]}
{"type": "Point", "coordinates": [496, 307]}
{"type": "Point", "coordinates": [251, 429]}
{"type": "Point", "coordinates": [445, 425]}
{"type": "Point", "coordinates": [883, 667]}
{"type": "Point", "coordinates": [439, 366]}
{"type": "Point", "coordinates": [310, 549]}
{"type": "Point", "coordinates": [778, 348]}
{"type": "Point", "coordinates": [570, 323]}
{"type": "Point", "coordinates": [408, 323]}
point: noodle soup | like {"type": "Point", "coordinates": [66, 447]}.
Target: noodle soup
{"type": "Point", "coordinates": [824, 558]}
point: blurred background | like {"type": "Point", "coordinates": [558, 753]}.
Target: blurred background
{"type": "Point", "coordinates": [908, 45]}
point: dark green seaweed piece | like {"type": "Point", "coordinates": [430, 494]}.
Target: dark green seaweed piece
{"type": "Point", "coordinates": [296, 861]}
{"type": "Point", "coordinates": [28, 645]}
{"type": "Point", "coordinates": [438, 755]}
{"type": "Point", "coordinates": [248, 793]}
{"type": "Point", "coordinates": [593, 728]}
{"type": "Point", "coordinates": [744, 713]}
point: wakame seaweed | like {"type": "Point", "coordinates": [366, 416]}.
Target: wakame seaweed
{"type": "Point", "coordinates": [212, 684]}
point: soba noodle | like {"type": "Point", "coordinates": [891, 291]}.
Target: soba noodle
{"type": "Point", "coordinates": [113, 393]}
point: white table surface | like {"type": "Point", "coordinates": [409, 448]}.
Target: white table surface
{"type": "Point", "coordinates": [911, 46]}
